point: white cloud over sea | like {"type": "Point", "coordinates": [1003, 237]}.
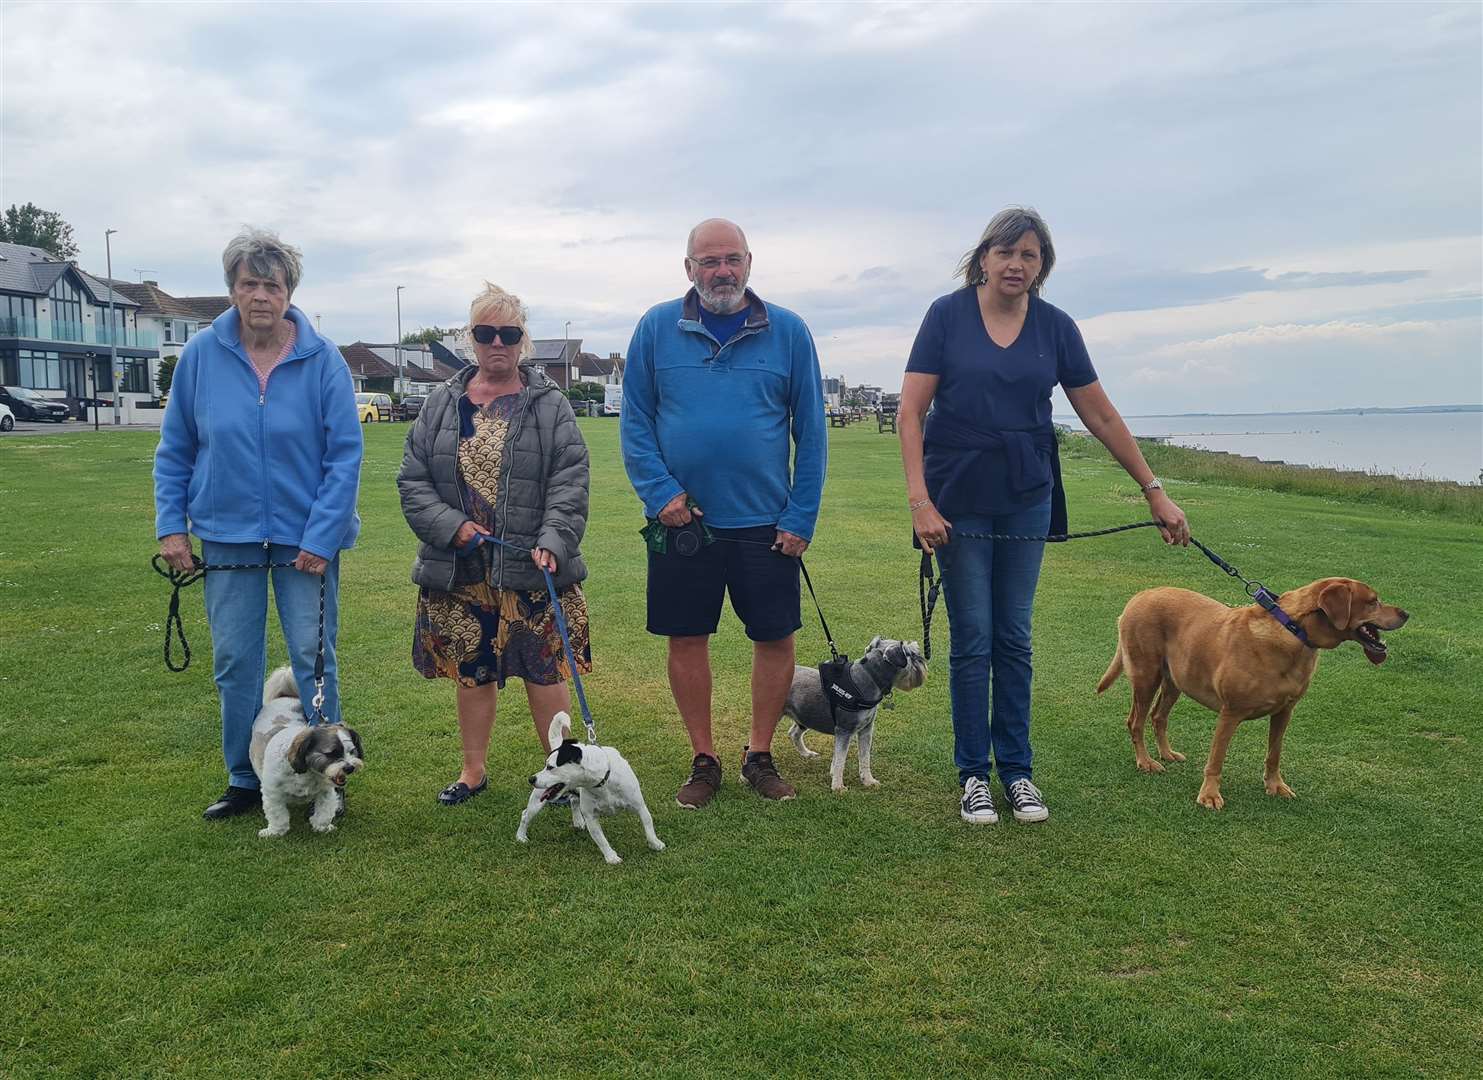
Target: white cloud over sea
{"type": "Point", "coordinates": [1255, 206]}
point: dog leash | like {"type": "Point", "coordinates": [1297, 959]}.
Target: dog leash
{"type": "Point", "coordinates": [929, 585]}
{"type": "Point", "coordinates": [834, 652]}
{"type": "Point", "coordinates": [175, 628]}
{"type": "Point", "coordinates": [566, 641]}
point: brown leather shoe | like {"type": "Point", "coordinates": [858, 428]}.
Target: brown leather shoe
{"type": "Point", "coordinates": [704, 782]}
{"type": "Point", "coordinates": [761, 775]}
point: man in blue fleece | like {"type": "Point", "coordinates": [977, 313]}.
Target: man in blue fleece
{"type": "Point", "coordinates": [719, 392]}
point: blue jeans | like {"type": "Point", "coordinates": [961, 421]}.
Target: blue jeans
{"type": "Point", "coordinates": [237, 610]}
{"type": "Point", "coordinates": [989, 586]}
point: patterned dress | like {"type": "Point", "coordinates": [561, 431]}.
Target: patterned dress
{"type": "Point", "coordinates": [476, 633]}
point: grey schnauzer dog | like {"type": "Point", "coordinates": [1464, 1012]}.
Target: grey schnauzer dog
{"type": "Point", "coordinates": [849, 712]}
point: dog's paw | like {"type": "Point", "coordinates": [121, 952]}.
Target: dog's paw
{"type": "Point", "coordinates": [656, 844]}
{"type": "Point", "coordinates": [613, 859]}
{"type": "Point", "coordinates": [1149, 765]}
{"type": "Point", "coordinates": [328, 826]}
{"type": "Point", "coordinates": [837, 787]}
{"type": "Point", "coordinates": [1280, 788]}
{"type": "Point", "coordinates": [520, 837]}
{"type": "Point", "coordinates": [268, 833]}
{"type": "Point", "coordinates": [869, 781]}
{"type": "Point", "coordinates": [1210, 799]}
{"type": "Point", "coordinates": [1172, 755]}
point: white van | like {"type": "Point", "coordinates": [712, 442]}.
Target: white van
{"type": "Point", "coordinates": [612, 400]}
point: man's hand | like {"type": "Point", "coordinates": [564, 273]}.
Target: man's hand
{"type": "Point", "coordinates": [789, 544]}
{"type": "Point", "coordinates": [467, 531]}
{"type": "Point", "coordinates": [678, 512]}
{"type": "Point", "coordinates": [544, 559]}
{"type": "Point", "coordinates": [175, 549]}
{"type": "Point", "coordinates": [1172, 525]}
{"type": "Point", "coordinates": [310, 563]}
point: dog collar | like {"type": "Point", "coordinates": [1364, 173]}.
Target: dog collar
{"type": "Point", "coordinates": [604, 779]}
{"type": "Point", "coordinates": [1268, 603]}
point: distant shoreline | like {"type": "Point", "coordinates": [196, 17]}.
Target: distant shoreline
{"type": "Point", "coordinates": [1353, 411]}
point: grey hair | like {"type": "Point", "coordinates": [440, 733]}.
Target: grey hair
{"type": "Point", "coordinates": [263, 253]}
{"type": "Point", "coordinates": [1007, 226]}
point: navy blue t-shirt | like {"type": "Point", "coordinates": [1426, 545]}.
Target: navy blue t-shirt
{"type": "Point", "coordinates": [722, 327]}
{"type": "Point", "coordinates": [989, 388]}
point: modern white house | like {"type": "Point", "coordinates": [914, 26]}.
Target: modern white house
{"type": "Point", "coordinates": [56, 334]}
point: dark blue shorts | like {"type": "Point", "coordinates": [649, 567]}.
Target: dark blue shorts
{"type": "Point", "coordinates": [685, 592]}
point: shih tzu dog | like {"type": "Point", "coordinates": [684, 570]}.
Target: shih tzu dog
{"type": "Point", "coordinates": [846, 707]}
{"type": "Point", "coordinates": [597, 777]}
{"type": "Point", "coordinates": [298, 763]}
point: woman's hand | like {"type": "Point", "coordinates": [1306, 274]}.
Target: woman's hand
{"type": "Point", "coordinates": [310, 563]}
{"type": "Point", "coordinates": [931, 527]}
{"type": "Point", "coordinates": [1172, 525]}
{"type": "Point", "coordinates": [175, 549]}
{"type": "Point", "coordinates": [466, 533]}
{"type": "Point", "coordinates": [544, 559]}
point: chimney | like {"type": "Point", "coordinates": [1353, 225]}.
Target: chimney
{"type": "Point", "coordinates": [156, 284]}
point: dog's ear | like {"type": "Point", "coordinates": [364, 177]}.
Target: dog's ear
{"type": "Point", "coordinates": [568, 751]}
{"type": "Point", "coordinates": [355, 742]}
{"type": "Point", "coordinates": [560, 729]}
{"type": "Point", "coordinates": [874, 644]}
{"type": "Point", "coordinates": [298, 750]}
{"type": "Point", "coordinates": [1335, 601]}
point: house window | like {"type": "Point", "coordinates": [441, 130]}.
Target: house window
{"type": "Point", "coordinates": [40, 370]}
{"type": "Point", "coordinates": [66, 311]}
{"type": "Point", "coordinates": [18, 316]}
{"type": "Point", "coordinates": [136, 376]}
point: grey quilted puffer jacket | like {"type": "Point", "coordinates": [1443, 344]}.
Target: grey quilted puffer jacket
{"type": "Point", "coordinates": [542, 500]}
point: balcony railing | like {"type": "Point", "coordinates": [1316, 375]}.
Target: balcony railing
{"type": "Point", "coordinates": [24, 326]}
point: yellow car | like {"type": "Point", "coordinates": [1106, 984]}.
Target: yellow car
{"type": "Point", "coordinates": [373, 407]}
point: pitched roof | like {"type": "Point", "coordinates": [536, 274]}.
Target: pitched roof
{"type": "Point", "coordinates": [365, 363]}
{"type": "Point", "coordinates": [554, 350]}
{"type": "Point", "coordinates": [101, 293]}
{"type": "Point", "coordinates": [153, 300]}
{"type": "Point", "coordinates": [33, 270]}
{"type": "Point", "coordinates": [592, 364]}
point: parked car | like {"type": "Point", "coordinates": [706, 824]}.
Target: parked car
{"type": "Point", "coordinates": [410, 406]}
{"type": "Point", "coordinates": [27, 404]}
{"type": "Point", "coordinates": [7, 418]}
{"type": "Point", "coordinates": [612, 400]}
{"type": "Point", "coordinates": [373, 407]}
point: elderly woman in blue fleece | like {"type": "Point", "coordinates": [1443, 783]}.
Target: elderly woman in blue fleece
{"type": "Point", "coordinates": [984, 461]}
{"type": "Point", "coordinates": [260, 458]}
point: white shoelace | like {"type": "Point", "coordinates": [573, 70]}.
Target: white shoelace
{"type": "Point", "coordinates": [977, 797]}
{"type": "Point", "coordinates": [1025, 795]}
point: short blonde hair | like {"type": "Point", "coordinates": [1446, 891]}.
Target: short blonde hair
{"type": "Point", "coordinates": [492, 300]}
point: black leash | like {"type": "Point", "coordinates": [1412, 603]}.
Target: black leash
{"type": "Point", "coordinates": [930, 585]}
{"type": "Point", "coordinates": [175, 628]}
{"type": "Point", "coordinates": [833, 649]}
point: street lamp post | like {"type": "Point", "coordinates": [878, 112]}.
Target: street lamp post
{"type": "Point", "coordinates": [566, 344]}
{"type": "Point", "coordinates": [112, 329]}
{"type": "Point", "coordinates": [399, 380]}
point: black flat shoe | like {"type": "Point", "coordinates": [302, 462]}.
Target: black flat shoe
{"type": "Point", "coordinates": [234, 801]}
{"type": "Point", "coordinates": [458, 791]}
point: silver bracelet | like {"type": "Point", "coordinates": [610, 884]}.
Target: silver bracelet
{"type": "Point", "coordinates": [915, 506]}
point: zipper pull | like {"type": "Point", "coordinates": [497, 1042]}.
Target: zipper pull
{"type": "Point", "coordinates": [260, 397]}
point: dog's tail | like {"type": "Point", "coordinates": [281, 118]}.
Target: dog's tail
{"type": "Point", "coordinates": [280, 684]}
{"type": "Point", "coordinates": [1114, 669]}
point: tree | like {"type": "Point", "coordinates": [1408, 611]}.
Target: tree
{"type": "Point", "coordinates": [166, 374]}
{"type": "Point", "coordinates": [35, 227]}
{"type": "Point", "coordinates": [425, 336]}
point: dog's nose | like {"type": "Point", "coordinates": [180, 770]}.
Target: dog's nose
{"type": "Point", "coordinates": [532, 781]}
{"type": "Point", "coordinates": [349, 769]}
{"type": "Point", "coordinates": [1403, 613]}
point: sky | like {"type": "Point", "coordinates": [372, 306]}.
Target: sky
{"type": "Point", "coordinates": [1254, 206]}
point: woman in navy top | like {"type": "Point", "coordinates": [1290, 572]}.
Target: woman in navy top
{"type": "Point", "coordinates": [984, 460]}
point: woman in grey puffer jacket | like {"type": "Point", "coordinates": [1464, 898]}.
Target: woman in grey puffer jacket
{"type": "Point", "coordinates": [495, 452]}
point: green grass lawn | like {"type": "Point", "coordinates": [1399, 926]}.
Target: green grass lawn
{"type": "Point", "coordinates": [870, 933]}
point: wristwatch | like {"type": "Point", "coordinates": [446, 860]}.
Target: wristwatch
{"type": "Point", "coordinates": [1153, 485]}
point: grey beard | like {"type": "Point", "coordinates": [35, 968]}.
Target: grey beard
{"type": "Point", "coordinates": [716, 306]}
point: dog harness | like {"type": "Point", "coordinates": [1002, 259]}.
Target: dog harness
{"type": "Point", "coordinates": [840, 690]}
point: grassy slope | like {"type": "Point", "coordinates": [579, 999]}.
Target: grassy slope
{"type": "Point", "coordinates": [1336, 935]}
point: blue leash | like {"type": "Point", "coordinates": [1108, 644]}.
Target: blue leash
{"type": "Point", "coordinates": [566, 641]}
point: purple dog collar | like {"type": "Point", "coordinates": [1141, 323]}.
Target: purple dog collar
{"type": "Point", "coordinates": [1268, 603]}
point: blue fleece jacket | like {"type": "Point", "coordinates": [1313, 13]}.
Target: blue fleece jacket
{"type": "Point", "coordinates": [714, 419]}
{"type": "Point", "coordinates": [236, 466]}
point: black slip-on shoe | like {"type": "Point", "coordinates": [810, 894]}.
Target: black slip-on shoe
{"type": "Point", "coordinates": [234, 801]}
{"type": "Point", "coordinates": [458, 791]}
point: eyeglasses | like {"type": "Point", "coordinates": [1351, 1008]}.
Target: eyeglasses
{"type": "Point", "coordinates": [485, 334]}
{"type": "Point", "coordinates": [733, 262]}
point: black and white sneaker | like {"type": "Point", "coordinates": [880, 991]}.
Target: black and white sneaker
{"type": "Point", "coordinates": [978, 803]}
{"type": "Point", "coordinates": [1026, 801]}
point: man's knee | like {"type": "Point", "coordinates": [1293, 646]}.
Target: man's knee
{"type": "Point", "coordinates": [690, 648]}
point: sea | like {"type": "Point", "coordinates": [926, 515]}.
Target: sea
{"type": "Point", "coordinates": [1415, 445]}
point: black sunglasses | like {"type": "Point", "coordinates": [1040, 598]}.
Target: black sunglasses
{"type": "Point", "coordinates": [485, 334]}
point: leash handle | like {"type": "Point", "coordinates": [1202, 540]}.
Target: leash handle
{"type": "Point", "coordinates": [928, 587]}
